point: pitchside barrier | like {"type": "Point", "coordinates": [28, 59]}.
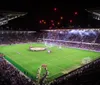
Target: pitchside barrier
{"type": "Point", "coordinates": [53, 40]}
{"type": "Point", "coordinates": [20, 68]}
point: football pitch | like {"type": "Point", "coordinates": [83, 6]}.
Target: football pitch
{"type": "Point", "coordinates": [59, 61]}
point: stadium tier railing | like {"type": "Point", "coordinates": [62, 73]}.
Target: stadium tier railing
{"type": "Point", "coordinates": [21, 68]}
{"type": "Point", "coordinates": [71, 41]}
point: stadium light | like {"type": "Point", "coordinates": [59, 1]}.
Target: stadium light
{"type": "Point", "coordinates": [75, 13]}
{"type": "Point", "coordinates": [70, 21]}
{"type": "Point", "coordinates": [55, 9]}
{"type": "Point", "coordinates": [61, 17]}
{"type": "Point", "coordinates": [44, 22]}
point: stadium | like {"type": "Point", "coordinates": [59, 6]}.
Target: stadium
{"type": "Point", "coordinates": [69, 50]}
{"type": "Point", "coordinates": [54, 56]}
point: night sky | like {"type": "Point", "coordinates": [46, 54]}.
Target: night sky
{"type": "Point", "coordinates": [43, 10]}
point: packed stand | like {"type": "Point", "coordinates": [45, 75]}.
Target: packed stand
{"type": "Point", "coordinates": [13, 38]}
{"type": "Point", "coordinates": [9, 75]}
{"type": "Point", "coordinates": [85, 39]}
{"type": "Point", "coordinates": [87, 36]}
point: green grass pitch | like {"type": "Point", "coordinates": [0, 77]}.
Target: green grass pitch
{"type": "Point", "coordinates": [59, 61]}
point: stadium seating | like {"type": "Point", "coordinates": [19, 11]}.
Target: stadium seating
{"type": "Point", "coordinates": [13, 38]}
{"type": "Point", "coordinates": [11, 76]}
{"type": "Point", "coordinates": [88, 39]}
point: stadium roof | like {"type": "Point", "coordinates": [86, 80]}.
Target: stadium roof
{"type": "Point", "coordinates": [17, 32]}
{"type": "Point", "coordinates": [6, 16]}
{"type": "Point", "coordinates": [93, 10]}
{"type": "Point", "coordinates": [95, 13]}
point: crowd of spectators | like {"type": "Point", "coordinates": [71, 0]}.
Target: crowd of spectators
{"type": "Point", "coordinates": [89, 36]}
{"type": "Point", "coordinates": [89, 39]}
{"type": "Point", "coordinates": [13, 38]}
{"type": "Point", "coordinates": [9, 75]}
{"type": "Point", "coordinates": [83, 45]}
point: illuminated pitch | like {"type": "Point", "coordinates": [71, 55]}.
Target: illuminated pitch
{"type": "Point", "coordinates": [58, 61]}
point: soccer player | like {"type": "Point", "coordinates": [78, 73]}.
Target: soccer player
{"type": "Point", "coordinates": [49, 51]}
